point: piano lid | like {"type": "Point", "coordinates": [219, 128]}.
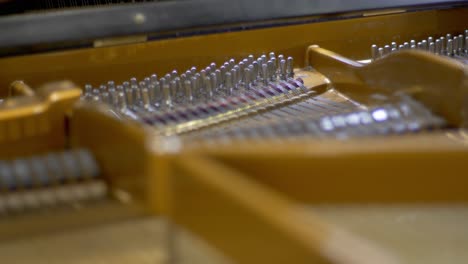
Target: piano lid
{"type": "Point", "coordinates": [62, 24]}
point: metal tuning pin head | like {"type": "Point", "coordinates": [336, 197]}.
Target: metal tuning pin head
{"type": "Point", "coordinates": [178, 88]}
{"type": "Point", "coordinates": [122, 101]}
{"type": "Point", "coordinates": [406, 45]}
{"type": "Point", "coordinates": [264, 59]}
{"type": "Point", "coordinates": [193, 70]}
{"type": "Point", "coordinates": [290, 67]}
{"type": "Point", "coordinates": [442, 43]}
{"type": "Point", "coordinates": [208, 88]}
{"type": "Point", "coordinates": [228, 83]}
{"type": "Point", "coordinates": [374, 53]}
{"type": "Point", "coordinates": [466, 45]}
{"type": "Point", "coordinates": [431, 47]}
{"type": "Point", "coordinates": [129, 96]}
{"type": "Point", "coordinates": [219, 79]}
{"type": "Point", "coordinates": [88, 90]}
{"type": "Point", "coordinates": [167, 96]}
{"type": "Point", "coordinates": [173, 90]}
{"type": "Point", "coordinates": [194, 88]}
{"type": "Point", "coordinates": [153, 78]}
{"type": "Point", "coordinates": [455, 45]}
{"type": "Point", "coordinates": [246, 78]}
{"type": "Point", "coordinates": [214, 82]}
{"type": "Point", "coordinates": [272, 55]}
{"type": "Point", "coordinates": [255, 71]}
{"type": "Point", "coordinates": [188, 96]}
{"type": "Point", "coordinates": [460, 43]}
{"type": "Point", "coordinates": [387, 49]}
{"type": "Point", "coordinates": [449, 47]}
{"type": "Point", "coordinates": [96, 95]}
{"type": "Point", "coordinates": [424, 44]}
{"type": "Point", "coordinates": [235, 76]}
{"type": "Point", "coordinates": [223, 71]}
{"type": "Point", "coordinates": [102, 88]}
{"type": "Point", "coordinates": [430, 39]}
{"type": "Point", "coordinates": [438, 46]}
{"type": "Point", "coordinates": [265, 74]}
{"type": "Point", "coordinates": [231, 62]}
{"type": "Point", "coordinates": [146, 99]}
{"type": "Point", "coordinates": [270, 70]}
{"type": "Point", "coordinates": [152, 94]}
{"type": "Point", "coordinates": [250, 59]}
{"type": "Point", "coordinates": [133, 81]}
{"type": "Point", "coordinates": [105, 98]}
{"type": "Point", "coordinates": [282, 68]}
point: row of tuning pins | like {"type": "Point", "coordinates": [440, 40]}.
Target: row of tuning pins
{"type": "Point", "coordinates": [193, 87]}
{"type": "Point", "coordinates": [448, 45]}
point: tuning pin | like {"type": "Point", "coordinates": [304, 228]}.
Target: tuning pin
{"type": "Point", "coordinates": [146, 99]}
{"type": "Point", "coordinates": [430, 40]}
{"type": "Point", "coordinates": [374, 53]}
{"type": "Point", "coordinates": [271, 71]}
{"type": "Point", "coordinates": [235, 76]}
{"type": "Point", "coordinates": [432, 47]}
{"type": "Point", "coordinates": [438, 47]}
{"type": "Point", "coordinates": [250, 59]}
{"type": "Point", "coordinates": [193, 70]}
{"type": "Point", "coordinates": [194, 87]}
{"type": "Point", "coordinates": [167, 96]}
{"type": "Point", "coordinates": [406, 45]}
{"type": "Point", "coordinates": [466, 44]}
{"type": "Point", "coordinates": [387, 49]}
{"type": "Point", "coordinates": [424, 44]}
{"type": "Point", "coordinates": [394, 45]}
{"type": "Point", "coordinates": [214, 82]}
{"type": "Point", "coordinates": [460, 43]}
{"type": "Point", "coordinates": [96, 95]}
{"type": "Point", "coordinates": [443, 46]}
{"type": "Point", "coordinates": [88, 90]}
{"type": "Point", "coordinates": [449, 47]}
{"type": "Point", "coordinates": [102, 88]}
{"type": "Point", "coordinates": [188, 96]}
{"type": "Point", "coordinates": [246, 78]}
{"type": "Point", "coordinates": [265, 74]}
{"type": "Point", "coordinates": [208, 71]}
{"type": "Point", "coordinates": [208, 88]}
{"type": "Point", "coordinates": [129, 96]}
{"type": "Point", "coordinates": [420, 46]}
{"type": "Point", "coordinates": [455, 45]}
{"type": "Point", "coordinates": [122, 101]}
{"type": "Point", "coordinates": [289, 67]}
{"type": "Point", "coordinates": [255, 71]}
{"type": "Point", "coordinates": [282, 68]}
{"type": "Point", "coordinates": [105, 98]}
{"type": "Point", "coordinates": [232, 62]}
{"type": "Point", "coordinates": [228, 83]}
{"type": "Point", "coordinates": [133, 81]}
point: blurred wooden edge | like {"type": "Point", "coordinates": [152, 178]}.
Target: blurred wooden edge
{"type": "Point", "coordinates": [25, 225]}
{"type": "Point", "coordinates": [254, 224]}
{"type": "Point", "coordinates": [36, 123]}
{"type": "Point", "coordinates": [415, 168]}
